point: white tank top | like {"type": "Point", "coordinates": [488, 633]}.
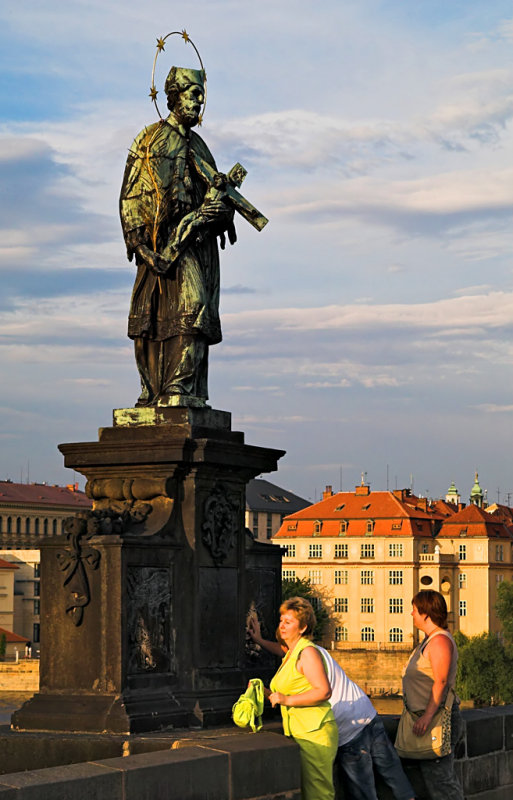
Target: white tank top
{"type": "Point", "coordinates": [351, 707]}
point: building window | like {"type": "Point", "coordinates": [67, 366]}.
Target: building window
{"type": "Point", "coordinates": [254, 527]}
{"type": "Point", "coordinates": [424, 548]}
{"type": "Point", "coordinates": [18, 525]}
{"type": "Point", "coordinates": [343, 526]}
{"type": "Point", "coordinates": [35, 632]}
{"type": "Point", "coordinates": [9, 525]}
{"type": "Point", "coordinates": [463, 608]}
{"type": "Point", "coordinates": [288, 574]}
{"type": "Point", "coordinates": [370, 526]}
{"type": "Point", "coordinates": [269, 525]}
{"type": "Point", "coordinates": [395, 605]}
{"type": "Point", "coordinates": [341, 605]}
{"type": "Point", "coordinates": [341, 633]}
{"type": "Point", "coordinates": [395, 577]}
{"type": "Point", "coordinates": [27, 525]}
{"type": "Point", "coordinates": [499, 552]}
{"type": "Point", "coordinates": [315, 577]}
{"type": "Point", "coordinates": [499, 578]}
{"type": "Point", "coordinates": [54, 526]}
{"type": "Point", "coordinates": [37, 570]}
{"type": "Point", "coordinates": [395, 635]}
{"type": "Point", "coordinates": [462, 552]}
{"type": "Point", "coordinates": [37, 607]}
{"type": "Point", "coordinates": [367, 577]}
{"type": "Point", "coordinates": [45, 527]}
{"type": "Point", "coordinates": [315, 551]}
{"type": "Point", "coordinates": [462, 580]}
{"type": "Point", "coordinates": [367, 634]}
{"type": "Point", "coordinates": [341, 551]}
{"type": "Point", "coordinates": [62, 526]}
{"type": "Point", "coordinates": [317, 528]}
{"type": "Point", "coordinates": [290, 551]}
{"type": "Point", "coordinates": [36, 526]}
{"type": "Point", "coordinates": [395, 550]}
{"type": "Point", "coordinates": [341, 577]}
{"type": "Point", "coordinates": [316, 603]}
{"type": "Point", "coordinates": [367, 605]}
{"type": "Point", "coordinates": [36, 588]}
{"type": "Point", "coordinates": [367, 551]}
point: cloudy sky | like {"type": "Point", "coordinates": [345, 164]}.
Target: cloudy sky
{"type": "Point", "coordinates": [369, 326]}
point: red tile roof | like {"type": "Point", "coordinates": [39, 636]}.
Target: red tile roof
{"type": "Point", "coordinates": [384, 508]}
{"type": "Point", "coordinates": [474, 521]}
{"type": "Point", "coordinates": [7, 564]}
{"type": "Point", "coordinates": [40, 494]}
{"type": "Point", "coordinates": [444, 508]}
{"type": "Point", "coordinates": [12, 638]}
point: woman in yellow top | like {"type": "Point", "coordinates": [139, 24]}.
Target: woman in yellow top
{"type": "Point", "coordinates": [301, 689]}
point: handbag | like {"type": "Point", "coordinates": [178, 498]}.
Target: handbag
{"type": "Point", "coordinates": [435, 742]}
{"type": "Point", "coordinates": [247, 711]}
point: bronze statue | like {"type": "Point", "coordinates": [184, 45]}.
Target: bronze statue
{"type": "Point", "coordinates": [173, 205]}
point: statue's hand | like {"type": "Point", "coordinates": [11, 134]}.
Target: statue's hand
{"type": "Point", "coordinates": [153, 261]}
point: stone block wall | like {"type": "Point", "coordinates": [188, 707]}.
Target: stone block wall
{"type": "Point", "coordinates": [377, 672]}
{"type": "Point", "coordinates": [20, 677]}
{"type": "Point", "coordinates": [245, 766]}
{"type": "Point", "coordinates": [239, 765]}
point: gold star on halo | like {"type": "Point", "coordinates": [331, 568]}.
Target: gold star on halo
{"type": "Point", "coordinates": [185, 36]}
{"type": "Point", "coordinates": [160, 44]}
{"type": "Point", "coordinates": [153, 93]}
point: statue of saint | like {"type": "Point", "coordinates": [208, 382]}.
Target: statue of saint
{"type": "Point", "coordinates": [172, 213]}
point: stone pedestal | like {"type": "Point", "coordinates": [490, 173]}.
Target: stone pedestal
{"type": "Point", "coordinates": [144, 600]}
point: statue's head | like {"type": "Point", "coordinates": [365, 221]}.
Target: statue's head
{"type": "Point", "coordinates": [185, 90]}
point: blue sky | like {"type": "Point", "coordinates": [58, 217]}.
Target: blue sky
{"type": "Point", "coordinates": [369, 324]}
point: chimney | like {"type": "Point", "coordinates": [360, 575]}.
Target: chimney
{"type": "Point", "coordinates": [362, 491]}
{"type": "Point", "coordinates": [328, 492]}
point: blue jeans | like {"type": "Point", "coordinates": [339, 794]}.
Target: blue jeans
{"type": "Point", "coordinates": [371, 749]}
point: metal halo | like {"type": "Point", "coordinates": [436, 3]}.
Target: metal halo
{"type": "Point", "coordinates": [160, 47]}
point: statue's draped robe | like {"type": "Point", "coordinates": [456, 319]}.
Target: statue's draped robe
{"type": "Point", "coordinates": [161, 186]}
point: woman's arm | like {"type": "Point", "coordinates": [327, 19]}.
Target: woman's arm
{"type": "Point", "coordinates": [312, 667]}
{"type": "Point", "coordinates": [256, 635]}
{"type": "Point", "coordinates": [439, 652]}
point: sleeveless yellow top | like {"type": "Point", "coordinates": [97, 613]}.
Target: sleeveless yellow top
{"type": "Point", "coordinates": [288, 680]}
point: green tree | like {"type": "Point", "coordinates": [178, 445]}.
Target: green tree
{"type": "Point", "coordinates": [461, 639]}
{"type": "Point", "coordinates": [485, 671]}
{"type": "Point", "coordinates": [301, 587]}
{"type": "Point", "coordinates": [504, 608]}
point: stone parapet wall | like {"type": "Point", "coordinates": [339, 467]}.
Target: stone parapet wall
{"type": "Point", "coordinates": [263, 766]}
{"type": "Point", "coordinates": [20, 677]}
{"type": "Point", "coordinates": [227, 764]}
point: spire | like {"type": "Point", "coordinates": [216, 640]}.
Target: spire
{"type": "Point", "coordinates": [453, 496]}
{"type": "Point", "coordinates": [476, 495]}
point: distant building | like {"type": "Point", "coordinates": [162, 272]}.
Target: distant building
{"type": "Point", "coordinates": [479, 546]}
{"type": "Point", "coordinates": [368, 553]}
{"type": "Point", "coordinates": [266, 507]}
{"type": "Point", "coordinates": [7, 573]}
{"type": "Point", "coordinates": [28, 513]}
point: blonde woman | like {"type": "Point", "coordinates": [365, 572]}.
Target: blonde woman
{"type": "Point", "coordinates": [301, 689]}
